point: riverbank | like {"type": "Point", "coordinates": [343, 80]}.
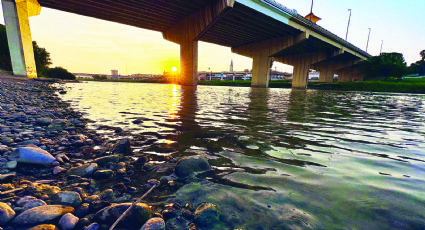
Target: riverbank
{"type": "Point", "coordinates": [54, 172]}
{"type": "Point", "coordinates": [412, 85]}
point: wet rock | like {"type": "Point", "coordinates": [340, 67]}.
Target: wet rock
{"type": "Point", "coordinates": [107, 194]}
{"type": "Point", "coordinates": [104, 161]}
{"type": "Point", "coordinates": [6, 213]}
{"type": "Point", "coordinates": [92, 198]}
{"type": "Point", "coordinates": [41, 214]}
{"type": "Point", "coordinates": [94, 226]}
{"type": "Point", "coordinates": [177, 224]}
{"type": "Point", "coordinates": [46, 189]}
{"type": "Point", "coordinates": [7, 178]}
{"type": "Point", "coordinates": [122, 147]}
{"type": "Point", "coordinates": [11, 164]}
{"type": "Point", "coordinates": [137, 121]}
{"type": "Point", "coordinates": [67, 198]}
{"type": "Point", "coordinates": [139, 214]}
{"type": "Point", "coordinates": [57, 170]}
{"type": "Point", "coordinates": [103, 174]}
{"type": "Point", "coordinates": [58, 125]}
{"type": "Point", "coordinates": [154, 224]}
{"type": "Point", "coordinates": [44, 227]}
{"type": "Point", "coordinates": [207, 215]}
{"type": "Point", "coordinates": [190, 165]}
{"type": "Point", "coordinates": [32, 155]}
{"type": "Point", "coordinates": [24, 200]}
{"type": "Point", "coordinates": [68, 221]}
{"type": "Point", "coordinates": [33, 204]}
{"type": "Point", "coordinates": [43, 121]}
{"type": "Point", "coordinates": [82, 210]}
{"type": "Point", "coordinates": [85, 170]}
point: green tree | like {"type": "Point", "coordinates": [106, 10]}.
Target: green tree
{"type": "Point", "coordinates": [60, 73]}
{"type": "Point", "coordinates": [42, 59]}
{"type": "Point", "coordinates": [5, 62]}
{"type": "Point", "coordinates": [99, 77]}
{"type": "Point", "coordinates": [422, 53]}
{"type": "Point", "coordinates": [385, 65]}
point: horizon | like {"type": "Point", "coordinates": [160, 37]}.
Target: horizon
{"type": "Point", "coordinates": [87, 45]}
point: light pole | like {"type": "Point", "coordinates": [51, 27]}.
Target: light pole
{"type": "Point", "coordinates": [209, 68]}
{"type": "Point", "coordinates": [382, 44]}
{"type": "Point", "coordinates": [349, 19]}
{"type": "Point", "coordinates": [368, 37]}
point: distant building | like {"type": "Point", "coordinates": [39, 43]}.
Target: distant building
{"type": "Point", "coordinates": [114, 74]}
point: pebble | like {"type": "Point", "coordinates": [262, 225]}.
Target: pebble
{"type": "Point", "coordinates": [67, 198]}
{"type": "Point", "coordinates": [44, 227]}
{"type": "Point", "coordinates": [32, 155]}
{"type": "Point", "coordinates": [154, 224]}
{"type": "Point", "coordinates": [68, 221]}
{"type": "Point", "coordinates": [6, 213]}
{"type": "Point", "coordinates": [85, 170]}
{"type": "Point", "coordinates": [41, 214]}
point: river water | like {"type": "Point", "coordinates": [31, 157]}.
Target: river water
{"type": "Point", "coordinates": [284, 159]}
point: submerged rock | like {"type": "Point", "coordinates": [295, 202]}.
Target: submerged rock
{"type": "Point", "coordinates": [67, 198]}
{"type": "Point", "coordinates": [83, 170]}
{"type": "Point", "coordinates": [103, 161]}
{"type": "Point", "coordinates": [134, 219]}
{"type": "Point", "coordinates": [190, 165]}
{"type": "Point", "coordinates": [122, 147]}
{"type": "Point", "coordinates": [41, 214]}
{"type": "Point", "coordinates": [154, 224]}
{"type": "Point", "coordinates": [68, 221]}
{"type": "Point", "coordinates": [207, 215]}
{"type": "Point", "coordinates": [6, 213]}
{"type": "Point", "coordinates": [32, 155]}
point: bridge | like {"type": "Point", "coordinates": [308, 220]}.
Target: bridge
{"type": "Point", "coordinates": [263, 30]}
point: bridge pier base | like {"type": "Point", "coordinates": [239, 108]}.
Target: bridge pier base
{"type": "Point", "coordinates": [261, 71]}
{"type": "Point", "coordinates": [16, 14]}
{"type": "Point", "coordinates": [326, 74]}
{"type": "Point", "coordinates": [189, 63]}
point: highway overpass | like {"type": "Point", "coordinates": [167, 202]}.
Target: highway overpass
{"type": "Point", "coordinates": [260, 29]}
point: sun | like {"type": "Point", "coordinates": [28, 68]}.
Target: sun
{"type": "Point", "coordinates": [174, 69]}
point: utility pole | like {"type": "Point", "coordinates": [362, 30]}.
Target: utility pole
{"type": "Point", "coordinates": [349, 19]}
{"type": "Point", "coordinates": [368, 37]}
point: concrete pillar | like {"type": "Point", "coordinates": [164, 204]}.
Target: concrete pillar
{"type": "Point", "coordinates": [16, 14]}
{"type": "Point", "coordinates": [326, 74]}
{"type": "Point", "coordinates": [261, 71]}
{"type": "Point", "coordinates": [189, 63]}
{"type": "Point", "coordinates": [300, 75]}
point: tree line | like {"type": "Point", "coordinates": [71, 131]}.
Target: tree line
{"type": "Point", "coordinates": [41, 56]}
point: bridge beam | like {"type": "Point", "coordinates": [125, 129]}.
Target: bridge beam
{"type": "Point", "coordinates": [188, 32]}
{"type": "Point", "coordinates": [16, 14]}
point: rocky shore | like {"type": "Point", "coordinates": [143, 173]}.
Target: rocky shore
{"type": "Point", "coordinates": [56, 174]}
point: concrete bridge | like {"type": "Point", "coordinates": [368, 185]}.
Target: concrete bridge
{"type": "Point", "coordinates": [260, 29]}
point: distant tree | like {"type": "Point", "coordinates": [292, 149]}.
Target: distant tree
{"type": "Point", "coordinates": [5, 62]}
{"type": "Point", "coordinates": [60, 73]}
{"type": "Point", "coordinates": [99, 77]}
{"type": "Point", "coordinates": [385, 65]}
{"type": "Point", "coordinates": [42, 59]}
{"type": "Point", "coordinates": [422, 53]}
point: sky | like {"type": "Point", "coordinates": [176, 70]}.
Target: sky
{"type": "Point", "coordinates": [87, 45]}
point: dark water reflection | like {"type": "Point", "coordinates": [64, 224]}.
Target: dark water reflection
{"type": "Point", "coordinates": [283, 159]}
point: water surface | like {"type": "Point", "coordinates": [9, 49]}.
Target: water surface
{"type": "Point", "coordinates": [284, 159]}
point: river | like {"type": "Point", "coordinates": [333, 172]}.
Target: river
{"type": "Point", "coordinates": [284, 159]}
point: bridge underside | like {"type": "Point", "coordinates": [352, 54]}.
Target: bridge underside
{"type": "Point", "coordinates": [251, 30]}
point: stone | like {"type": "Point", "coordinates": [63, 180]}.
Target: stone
{"type": "Point", "coordinates": [57, 170]}
{"type": "Point", "coordinates": [41, 214]}
{"type": "Point", "coordinates": [24, 200]}
{"type": "Point", "coordinates": [33, 204]}
{"type": "Point", "coordinates": [104, 161]}
{"type": "Point", "coordinates": [207, 215]}
{"type": "Point", "coordinates": [68, 221]}
{"type": "Point", "coordinates": [32, 155]}
{"type": "Point", "coordinates": [58, 125]}
{"type": "Point", "coordinates": [107, 194]}
{"type": "Point", "coordinates": [11, 164]}
{"type": "Point", "coordinates": [122, 147]}
{"type": "Point", "coordinates": [85, 170]}
{"type": "Point", "coordinates": [178, 223]}
{"type": "Point", "coordinates": [190, 165]}
{"type": "Point", "coordinates": [67, 198]}
{"type": "Point", "coordinates": [6, 213]}
{"type": "Point", "coordinates": [82, 210]}
{"type": "Point", "coordinates": [7, 178]}
{"type": "Point", "coordinates": [154, 224]}
{"type": "Point", "coordinates": [44, 227]}
{"type": "Point", "coordinates": [43, 121]}
{"type": "Point", "coordinates": [103, 174]}
{"type": "Point", "coordinates": [94, 226]}
{"type": "Point", "coordinates": [133, 220]}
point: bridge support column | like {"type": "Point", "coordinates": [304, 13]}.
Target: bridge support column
{"type": "Point", "coordinates": [349, 74]}
{"type": "Point", "coordinates": [261, 71]}
{"type": "Point", "coordinates": [187, 34]}
{"type": "Point", "coordinates": [300, 74]}
{"type": "Point", "coordinates": [326, 74]}
{"type": "Point", "coordinates": [16, 14]}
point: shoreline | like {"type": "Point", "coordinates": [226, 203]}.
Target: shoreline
{"type": "Point", "coordinates": [49, 158]}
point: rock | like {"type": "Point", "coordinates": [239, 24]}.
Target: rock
{"type": "Point", "coordinates": [94, 226]}
{"type": "Point", "coordinates": [43, 121]}
{"type": "Point", "coordinates": [107, 194]}
{"type": "Point", "coordinates": [58, 125]}
{"type": "Point", "coordinates": [32, 155]}
{"type": "Point", "coordinates": [44, 227]}
{"type": "Point", "coordinates": [46, 189]}
{"type": "Point", "coordinates": [103, 174]}
{"type": "Point", "coordinates": [67, 198]}
{"type": "Point", "coordinates": [104, 161]}
{"type": "Point", "coordinates": [68, 221]}
{"type": "Point", "coordinates": [190, 165]}
{"type": "Point", "coordinates": [7, 178]}
{"type": "Point", "coordinates": [178, 223]}
{"type": "Point", "coordinates": [33, 204]}
{"type": "Point", "coordinates": [85, 170]}
{"type": "Point", "coordinates": [122, 147]}
{"type": "Point", "coordinates": [6, 213]}
{"type": "Point", "coordinates": [11, 164]}
{"type": "Point", "coordinates": [154, 224]}
{"type": "Point", "coordinates": [24, 200]}
{"type": "Point", "coordinates": [137, 121]}
{"type": "Point", "coordinates": [207, 215]}
{"type": "Point", "coordinates": [133, 220]}
{"type": "Point", "coordinates": [57, 170]}
{"type": "Point", "coordinates": [82, 210]}
{"type": "Point", "coordinates": [41, 214]}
